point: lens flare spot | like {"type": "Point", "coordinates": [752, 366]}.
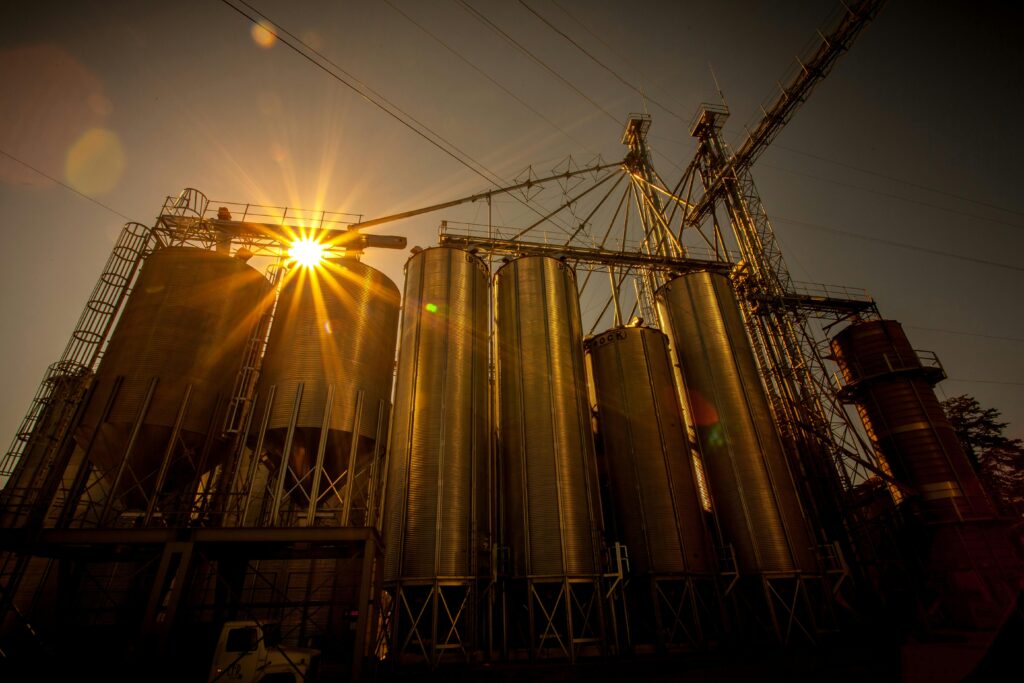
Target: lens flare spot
{"type": "Point", "coordinates": [278, 153]}
{"type": "Point", "coordinates": [95, 162]}
{"type": "Point", "coordinates": [327, 327]}
{"type": "Point", "coordinates": [716, 435]}
{"type": "Point", "coordinates": [306, 252]}
{"type": "Point", "coordinates": [263, 35]}
{"type": "Point", "coordinates": [431, 308]}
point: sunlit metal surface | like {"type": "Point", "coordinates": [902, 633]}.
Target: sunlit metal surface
{"type": "Point", "coordinates": [753, 491]}
{"type": "Point", "coordinates": [551, 510]}
{"type": "Point", "coordinates": [435, 510]}
{"type": "Point", "coordinates": [646, 454]}
{"type": "Point", "coordinates": [334, 326]}
{"type": "Point", "coordinates": [186, 323]}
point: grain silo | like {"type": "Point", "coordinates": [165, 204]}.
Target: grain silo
{"type": "Point", "coordinates": [646, 453]}
{"type": "Point", "coordinates": [171, 363]}
{"type": "Point", "coordinates": [550, 507]}
{"type": "Point", "coordinates": [325, 385]}
{"type": "Point", "coordinates": [754, 495]}
{"type": "Point", "coordinates": [653, 503]}
{"type": "Point", "coordinates": [435, 521]}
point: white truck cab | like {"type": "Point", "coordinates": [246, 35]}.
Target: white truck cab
{"type": "Point", "coordinates": [243, 655]}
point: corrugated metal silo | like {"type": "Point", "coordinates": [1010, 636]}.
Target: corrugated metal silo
{"type": "Point", "coordinates": [335, 326]}
{"type": "Point", "coordinates": [753, 491]}
{"type": "Point", "coordinates": [551, 507]}
{"type": "Point", "coordinates": [435, 510]}
{"type": "Point", "coordinates": [646, 453]}
{"type": "Point", "coordinates": [186, 322]}
{"type": "Point", "coordinates": [894, 397]}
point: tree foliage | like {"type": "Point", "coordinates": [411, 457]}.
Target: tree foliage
{"type": "Point", "coordinates": [998, 460]}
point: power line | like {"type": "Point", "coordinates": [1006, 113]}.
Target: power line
{"type": "Point", "coordinates": [483, 73]}
{"type": "Point", "coordinates": [901, 245]}
{"type": "Point", "coordinates": [966, 334]}
{"type": "Point", "coordinates": [596, 37]}
{"type": "Point", "coordinates": [599, 62]}
{"type": "Point", "coordinates": [495, 179]}
{"type": "Point", "coordinates": [64, 185]}
{"type": "Point", "coordinates": [494, 27]}
{"type": "Point", "coordinates": [360, 92]}
{"type": "Point", "coordinates": [919, 186]}
{"type": "Point", "coordinates": [894, 196]}
{"type": "Point", "coordinates": [985, 381]}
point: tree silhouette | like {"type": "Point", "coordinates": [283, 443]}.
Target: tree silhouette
{"type": "Point", "coordinates": [998, 460]}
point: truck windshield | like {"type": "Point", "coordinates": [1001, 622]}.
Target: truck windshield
{"type": "Point", "coordinates": [241, 640]}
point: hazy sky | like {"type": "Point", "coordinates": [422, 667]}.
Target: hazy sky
{"type": "Point", "coordinates": [899, 175]}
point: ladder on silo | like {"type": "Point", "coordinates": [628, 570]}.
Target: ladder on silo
{"type": "Point", "coordinates": [245, 382]}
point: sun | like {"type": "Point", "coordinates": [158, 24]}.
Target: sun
{"type": "Point", "coordinates": [306, 252]}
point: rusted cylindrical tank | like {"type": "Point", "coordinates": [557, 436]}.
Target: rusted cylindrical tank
{"type": "Point", "coordinates": [436, 503]}
{"type": "Point", "coordinates": [551, 511]}
{"type": "Point", "coordinates": [646, 453]}
{"type": "Point", "coordinates": [754, 495]}
{"type": "Point", "coordinates": [334, 329]}
{"type": "Point", "coordinates": [186, 323]}
{"type": "Point", "coordinates": [893, 392]}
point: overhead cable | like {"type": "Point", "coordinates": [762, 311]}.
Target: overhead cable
{"type": "Point", "coordinates": [901, 245]}
{"type": "Point", "coordinates": [494, 27]}
{"type": "Point", "coordinates": [418, 128]}
{"type": "Point", "coordinates": [944, 193]}
{"type": "Point", "coordinates": [64, 185]}
{"type": "Point", "coordinates": [894, 196]}
{"type": "Point", "coordinates": [484, 73]}
{"type": "Point", "coordinates": [599, 62]}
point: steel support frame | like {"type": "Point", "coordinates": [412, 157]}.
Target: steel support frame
{"type": "Point", "coordinates": [165, 561]}
{"type": "Point", "coordinates": [433, 620]}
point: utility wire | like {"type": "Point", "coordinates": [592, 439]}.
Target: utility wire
{"type": "Point", "coordinates": [495, 179]}
{"type": "Point", "coordinates": [596, 37]}
{"type": "Point", "coordinates": [599, 62]}
{"type": "Point", "coordinates": [895, 196]}
{"type": "Point", "coordinates": [65, 185]}
{"type": "Point", "coordinates": [901, 245]}
{"type": "Point", "coordinates": [362, 94]}
{"type": "Point", "coordinates": [494, 27]}
{"type": "Point", "coordinates": [484, 73]}
{"type": "Point", "coordinates": [927, 188]}
{"type": "Point", "coordinates": [986, 381]}
{"type": "Point", "coordinates": [966, 334]}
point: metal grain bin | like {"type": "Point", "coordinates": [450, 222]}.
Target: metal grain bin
{"type": "Point", "coordinates": [186, 323]}
{"type": "Point", "coordinates": [646, 453]}
{"type": "Point", "coordinates": [436, 505]}
{"type": "Point", "coordinates": [335, 326]}
{"type": "Point", "coordinates": [754, 495]}
{"type": "Point", "coordinates": [551, 508]}
{"type": "Point", "coordinates": [893, 391]}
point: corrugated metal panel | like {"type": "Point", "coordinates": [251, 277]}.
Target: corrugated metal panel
{"type": "Point", "coordinates": [334, 325]}
{"type": "Point", "coordinates": [646, 453]}
{"type": "Point", "coordinates": [899, 408]}
{"type": "Point", "coordinates": [755, 498]}
{"type": "Point", "coordinates": [187, 321]}
{"type": "Point", "coordinates": [436, 504]}
{"type": "Point", "coordinates": [551, 510]}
